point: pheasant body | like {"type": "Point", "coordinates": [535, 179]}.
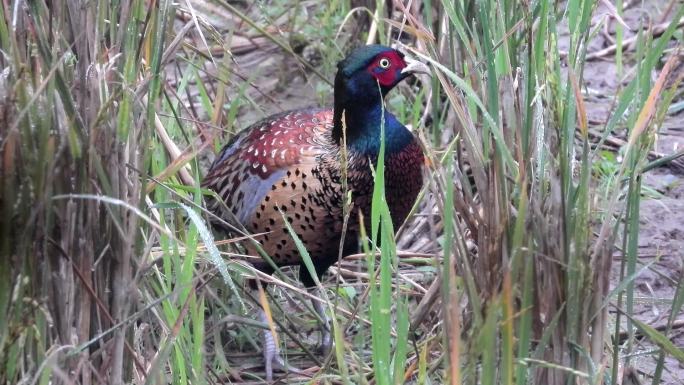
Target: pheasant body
{"type": "Point", "coordinates": [288, 167]}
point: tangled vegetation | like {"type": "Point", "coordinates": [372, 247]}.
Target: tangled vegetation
{"type": "Point", "coordinates": [110, 271]}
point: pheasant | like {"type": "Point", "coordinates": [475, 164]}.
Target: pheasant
{"type": "Point", "coordinates": [289, 167]}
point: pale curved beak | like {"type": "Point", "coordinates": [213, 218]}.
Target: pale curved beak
{"type": "Point", "coordinates": [414, 66]}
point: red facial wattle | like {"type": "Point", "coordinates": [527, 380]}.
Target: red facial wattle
{"type": "Point", "coordinates": [387, 77]}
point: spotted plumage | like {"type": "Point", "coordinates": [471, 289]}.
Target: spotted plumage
{"type": "Point", "coordinates": [287, 167]}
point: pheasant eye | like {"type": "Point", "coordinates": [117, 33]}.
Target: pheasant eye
{"type": "Point", "coordinates": [384, 63]}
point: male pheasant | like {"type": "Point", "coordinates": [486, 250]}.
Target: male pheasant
{"type": "Point", "coordinates": [289, 167]}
